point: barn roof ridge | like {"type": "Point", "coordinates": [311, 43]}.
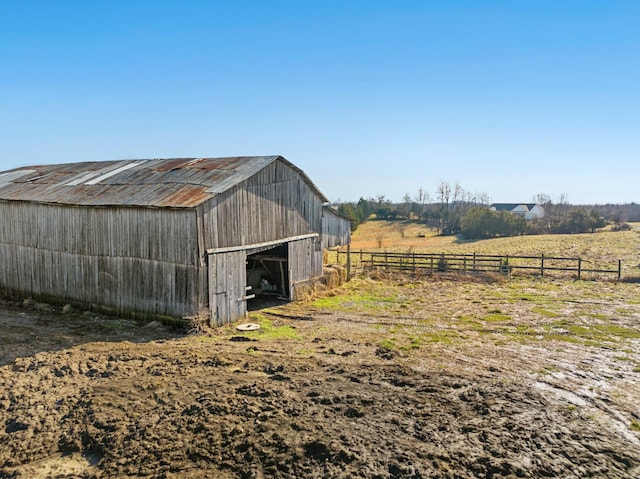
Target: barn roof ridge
{"type": "Point", "coordinates": [172, 182]}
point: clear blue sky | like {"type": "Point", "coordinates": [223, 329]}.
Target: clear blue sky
{"type": "Point", "coordinates": [509, 98]}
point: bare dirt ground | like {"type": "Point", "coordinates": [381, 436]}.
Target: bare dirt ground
{"type": "Point", "coordinates": [446, 379]}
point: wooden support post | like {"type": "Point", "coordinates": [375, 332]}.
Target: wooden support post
{"type": "Point", "coordinates": [542, 264]}
{"type": "Point", "coordinates": [414, 262]}
{"type": "Point", "coordinates": [619, 269]}
{"type": "Point", "coordinates": [504, 267]}
{"type": "Point", "coordinates": [474, 261]}
{"type": "Point", "coordinates": [386, 260]}
{"type": "Point", "coordinates": [579, 267]}
{"type": "Point", "coordinates": [348, 262]}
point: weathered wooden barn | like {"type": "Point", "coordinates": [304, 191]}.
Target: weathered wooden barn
{"type": "Point", "coordinates": [336, 229]}
{"type": "Point", "coordinates": [177, 237]}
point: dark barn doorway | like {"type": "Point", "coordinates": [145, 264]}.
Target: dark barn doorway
{"type": "Point", "coordinates": [268, 277]}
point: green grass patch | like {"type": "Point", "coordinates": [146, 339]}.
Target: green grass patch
{"type": "Point", "coordinates": [269, 331]}
{"type": "Point", "coordinates": [635, 426]}
{"type": "Point", "coordinates": [545, 312]}
{"type": "Point", "coordinates": [597, 335]}
{"type": "Point", "coordinates": [497, 318]}
{"type": "Point", "coordinates": [445, 336]}
{"type": "Point", "coordinates": [387, 344]}
{"type": "Point", "coordinates": [118, 324]}
{"type": "Point", "coordinates": [364, 296]}
{"type": "Point", "coordinates": [617, 331]}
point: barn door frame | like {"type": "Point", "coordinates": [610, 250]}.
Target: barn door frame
{"type": "Point", "coordinates": [227, 287]}
{"type": "Point", "coordinates": [227, 277]}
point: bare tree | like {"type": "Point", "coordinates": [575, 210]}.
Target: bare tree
{"type": "Point", "coordinates": [421, 199]}
{"type": "Point", "coordinates": [406, 205]}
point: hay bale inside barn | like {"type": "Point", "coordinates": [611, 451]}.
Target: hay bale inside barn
{"type": "Point", "coordinates": [177, 237]}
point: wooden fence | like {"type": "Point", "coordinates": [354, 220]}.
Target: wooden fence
{"type": "Point", "coordinates": [358, 262]}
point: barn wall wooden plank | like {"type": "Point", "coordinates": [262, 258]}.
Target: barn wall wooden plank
{"type": "Point", "coordinates": [129, 258]}
{"type": "Point", "coordinates": [274, 203]}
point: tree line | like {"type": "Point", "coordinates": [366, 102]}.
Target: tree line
{"type": "Point", "coordinates": [453, 210]}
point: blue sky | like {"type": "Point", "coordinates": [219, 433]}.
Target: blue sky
{"type": "Point", "coordinates": [508, 98]}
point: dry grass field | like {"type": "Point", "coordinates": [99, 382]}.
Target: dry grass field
{"type": "Point", "coordinates": [386, 376]}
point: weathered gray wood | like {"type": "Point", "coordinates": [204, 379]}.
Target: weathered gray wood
{"type": "Point", "coordinates": [336, 230]}
{"type": "Point", "coordinates": [227, 273]}
{"type": "Point", "coordinates": [154, 259]}
{"type": "Point", "coordinates": [305, 262]}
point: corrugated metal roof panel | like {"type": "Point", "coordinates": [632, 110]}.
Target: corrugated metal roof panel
{"type": "Point", "coordinates": [176, 183]}
{"type": "Point", "coordinates": [6, 178]}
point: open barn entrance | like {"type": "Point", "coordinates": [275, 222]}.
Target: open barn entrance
{"type": "Point", "coordinates": [268, 277]}
{"type": "Point", "coordinates": [250, 277]}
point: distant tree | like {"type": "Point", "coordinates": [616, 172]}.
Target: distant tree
{"type": "Point", "coordinates": [556, 215]}
{"type": "Point", "coordinates": [365, 209]}
{"type": "Point", "coordinates": [618, 217]}
{"type": "Point", "coordinates": [477, 223]}
{"type": "Point", "coordinates": [444, 192]}
{"type": "Point", "coordinates": [596, 220]}
{"type": "Point", "coordinates": [482, 199]}
{"type": "Point", "coordinates": [406, 205]}
{"type": "Point", "coordinates": [452, 203]}
{"type": "Point", "coordinates": [421, 198]}
{"type": "Point", "coordinates": [349, 210]}
{"type": "Point", "coordinates": [480, 223]}
{"type": "Point", "coordinates": [384, 209]}
{"type": "Point", "coordinates": [580, 220]}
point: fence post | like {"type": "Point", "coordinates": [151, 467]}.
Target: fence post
{"type": "Point", "coordinates": [348, 262]}
{"type": "Point", "coordinates": [541, 264]}
{"type": "Point", "coordinates": [414, 262]}
{"type": "Point", "coordinates": [338, 256]}
{"type": "Point", "coordinates": [386, 260]}
{"type": "Point", "coordinates": [619, 269]}
{"type": "Point", "coordinates": [474, 261]}
{"type": "Point", "coordinates": [579, 267]}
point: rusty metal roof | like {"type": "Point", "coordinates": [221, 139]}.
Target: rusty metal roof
{"type": "Point", "coordinates": [173, 183]}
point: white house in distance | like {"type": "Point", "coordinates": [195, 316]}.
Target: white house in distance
{"type": "Point", "coordinates": [528, 210]}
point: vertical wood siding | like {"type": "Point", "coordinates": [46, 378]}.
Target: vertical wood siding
{"type": "Point", "coordinates": [305, 262]}
{"type": "Point", "coordinates": [275, 203]}
{"type": "Point", "coordinates": [227, 282]}
{"type": "Point", "coordinates": [138, 259]}
{"type": "Point", "coordinates": [336, 230]}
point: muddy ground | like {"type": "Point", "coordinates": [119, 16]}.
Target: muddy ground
{"type": "Point", "coordinates": [321, 395]}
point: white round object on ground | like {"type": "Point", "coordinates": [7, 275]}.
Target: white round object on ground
{"type": "Point", "coordinates": [248, 327]}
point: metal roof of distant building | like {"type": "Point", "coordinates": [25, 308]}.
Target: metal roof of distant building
{"type": "Point", "coordinates": [512, 206]}
{"type": "Point", "coordinates": [174, 183]}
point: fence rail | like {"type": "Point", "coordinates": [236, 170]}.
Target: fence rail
{"type": "Point", "coordinates": [358, 262]}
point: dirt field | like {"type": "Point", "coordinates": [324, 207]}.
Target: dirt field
{"type": "Point", "coordinates": [444, 378]}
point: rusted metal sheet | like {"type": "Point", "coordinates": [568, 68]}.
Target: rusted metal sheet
{"type": "Point", "coordinates": [175, 183]}
{"type": "Point", "coordinates": [186, 196]}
